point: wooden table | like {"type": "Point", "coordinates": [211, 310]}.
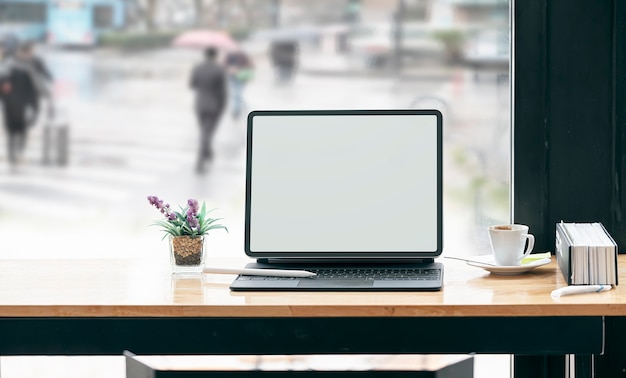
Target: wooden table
{"type": "Point", "coordinates": [96, 307]}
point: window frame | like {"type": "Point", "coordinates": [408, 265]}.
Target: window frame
{"type": "Point", "coordinates": [569, 136]}
{"type": "Point", "coordinates": [565, 140]}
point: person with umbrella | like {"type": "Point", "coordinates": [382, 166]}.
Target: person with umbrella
{"type": "Point", "coordinates": [240, 71]}
{"type": "Point", "coordinates": [208, 80]}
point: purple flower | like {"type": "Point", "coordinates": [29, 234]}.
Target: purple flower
{"type": "Point", "coordinates": [192, 213]}
{"type": "Point", "coordinates": [164, 209]}
{"type": "Point", "coordinates": [193, 223]}
{"type": "Point", "coordinates": [193, 206]}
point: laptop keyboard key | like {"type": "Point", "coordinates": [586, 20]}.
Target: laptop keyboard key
{"type": "Point", "coordinates": [370, 274]}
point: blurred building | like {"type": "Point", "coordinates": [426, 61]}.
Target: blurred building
{"type": "Point", "coordinates": [62, 22]}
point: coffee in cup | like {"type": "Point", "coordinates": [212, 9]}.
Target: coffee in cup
{"type": "Point", "coordinates": [509, 243]}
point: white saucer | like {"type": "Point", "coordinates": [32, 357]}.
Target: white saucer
{"type": "Point", "coordinates": [506, 270]}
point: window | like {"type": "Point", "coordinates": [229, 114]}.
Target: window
{"type": "Point", "coordinates": [16, 12]}
{"type": "Point", "coordinates": [133, 131]}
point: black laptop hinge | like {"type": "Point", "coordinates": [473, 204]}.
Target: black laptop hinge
{"type": "Point", "coordinates": [266, 260]}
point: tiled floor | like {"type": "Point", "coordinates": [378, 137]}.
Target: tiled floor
{"type": "Point", "coordinates": [485, 366]}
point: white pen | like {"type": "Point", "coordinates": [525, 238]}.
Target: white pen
{"type": "Point", "coordinates": [579, 289]}
{"type": "Point", "coordinates": [260, 272]}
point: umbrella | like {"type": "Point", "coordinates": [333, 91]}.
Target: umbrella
{"type": "Point", "coordinates": [204, 39]}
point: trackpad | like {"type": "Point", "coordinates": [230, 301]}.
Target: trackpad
{"type": "Point", "coordinates": [313, 283]}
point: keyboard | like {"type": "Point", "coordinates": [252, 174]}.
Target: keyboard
{"type": "Point", "coordinates": [386, 274]}
{"type": "Point", "coordinates": [360, 274]}
{"type": "Point", "coordinates": [425, 276]}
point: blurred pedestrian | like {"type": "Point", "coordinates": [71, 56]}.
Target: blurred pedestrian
{"type": "Point", "coordinates": [27, 53]}
{"type": "Point", "coordinates": [284, 56]}
{"type": "Point", "coordinates": [42, 78]}
{"type": "Point", "coordinates": [240, 72]}
{"type": "Point", "coordinates": [208, 80]}
{"type": "Point", "coordinates": [20, 102]}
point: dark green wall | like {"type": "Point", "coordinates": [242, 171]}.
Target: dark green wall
{"type": "Point", "coordinates": [565, 136]}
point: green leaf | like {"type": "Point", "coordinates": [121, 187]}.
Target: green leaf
{"type": "Point", "coordinates": [207, 225]}
{"type": "Point", "coordinates": [202, 211]}
{"type": "Point", "coordinates": [187, 229]}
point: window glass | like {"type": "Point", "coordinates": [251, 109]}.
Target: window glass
{"type": "Point", "coordinates": [124, 125]}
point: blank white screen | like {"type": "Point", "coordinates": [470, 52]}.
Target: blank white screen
{"type": "Point", "coordinates": [343, 183]}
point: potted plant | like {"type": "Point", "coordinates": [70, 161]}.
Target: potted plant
{"type": "Point", "coordinates": [186, 230]}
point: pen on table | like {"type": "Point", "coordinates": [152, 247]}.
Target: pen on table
{"type": "Point", "coordinates": [579, 289]}
{"type": "Point", "coordinates": [260, 272]}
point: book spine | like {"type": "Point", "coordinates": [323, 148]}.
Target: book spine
{"type": "Point", "coordinates": [616, 251]}
{"type": "Point", "coordinates": [563, 253]}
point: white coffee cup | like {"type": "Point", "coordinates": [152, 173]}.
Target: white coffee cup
{"type": "Point", "coordinates": [508, 243]}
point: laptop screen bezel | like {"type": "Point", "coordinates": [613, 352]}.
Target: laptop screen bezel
{"type": "Point", "coordinates": [356, 255]}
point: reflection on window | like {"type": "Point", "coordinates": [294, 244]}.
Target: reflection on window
{"type": "Point", "coordinates": [124, 102]}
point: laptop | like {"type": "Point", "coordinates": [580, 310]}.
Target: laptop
{"type": "Point", "coordinates": [352, 195]}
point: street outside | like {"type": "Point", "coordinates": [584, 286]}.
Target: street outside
{"type": "Point", "coordinates": [133, 134]}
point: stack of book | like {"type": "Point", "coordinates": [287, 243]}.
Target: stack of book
{"type": "Point", "coordinates": [586, 254]}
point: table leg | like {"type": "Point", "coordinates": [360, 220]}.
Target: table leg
{"type": "Point", "coordinates": [583, 366]}
{"type": "Point", "coordinates": [612, 363]}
